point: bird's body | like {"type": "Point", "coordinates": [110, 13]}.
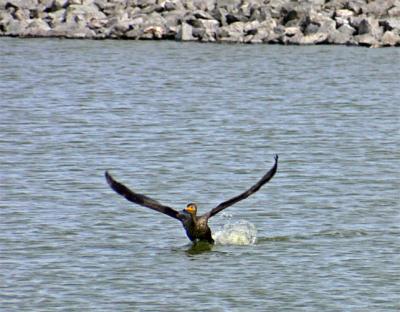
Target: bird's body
{"type": "Point", "coordinates": [196, 227]}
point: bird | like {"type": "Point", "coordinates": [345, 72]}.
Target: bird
{"type": "Point", "coordinates": [196, 226]}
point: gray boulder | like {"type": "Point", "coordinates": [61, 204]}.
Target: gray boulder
{"type": "Point", "coordinates": [5, 19]}
{"type": "Point", "coordinates": [262, 33]}
{"type": "Point", "coordinates": [347, 30]}
{"type": "Point", "coordinates": [343, 36]}
{"type": "Point", "coordinates": [395, 10]}
{"type": "Point", "coordinates": [392, 24]}
{"type": "Point", "coordinates": [366, 40]}
{"type": "Point", "coordinates": [316, 38]}
{"type": "Point", "coordinates": [232, 33]}
{"type": "Point", "coordinates": [22, 4]}
{"type": "Point", "coordinates": [229, 5]}
{"type": "Point", "coordinates": [378, 8]}
{"type": "Point", "coordinates": [390, 39]}
{"type": "Point", "coordinates": [36, 28]}
{"type": "Point", "coordinates": [210, 29]}
{"type": "Point", "coordinates": [185, 32]}
{"type": "Point", "coordinates": [60, 4]}
{"type": "Point", "coordinates": [15, 27]}
{"type": "Point", "coordinates": [204, 5]}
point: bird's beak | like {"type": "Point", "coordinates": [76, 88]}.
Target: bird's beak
{"type": "Point", "coordinates": [189, 209]}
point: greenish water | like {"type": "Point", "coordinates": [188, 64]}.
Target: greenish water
{"type": "Point", "coordinates": [198, 122]}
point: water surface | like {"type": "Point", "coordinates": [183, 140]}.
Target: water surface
{"type": "Point", "coordinates": [186, 122]}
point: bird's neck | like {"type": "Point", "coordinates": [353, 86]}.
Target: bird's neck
{"type": "Point", "coordinates": [193, 217]}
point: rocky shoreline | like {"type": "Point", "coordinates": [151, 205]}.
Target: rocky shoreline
{"type": "Point", "coordinates": [345, 22]}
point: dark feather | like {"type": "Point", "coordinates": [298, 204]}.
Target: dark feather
{"type": "Point", "coordinates": [268, 176]}
{"type": "Point", "coordinates": [140, 199]}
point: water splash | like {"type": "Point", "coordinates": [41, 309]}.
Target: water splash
{"type": "Point", "coordinates": [239, 232]}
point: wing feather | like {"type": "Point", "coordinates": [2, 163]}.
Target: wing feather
{"type": "Point", "coordinates": [268, 176]}
{"type": "Point", "coordinates": [140, 199]}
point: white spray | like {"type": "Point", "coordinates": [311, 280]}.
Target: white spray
{"type": "Point", "coordinates": [239, 232]}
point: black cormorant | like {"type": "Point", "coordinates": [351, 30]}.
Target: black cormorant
{"type": "Point", "coordinates": [196, 227]}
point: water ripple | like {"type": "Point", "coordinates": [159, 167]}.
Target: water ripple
{"type": "Point", "coordinates": [192, 122]}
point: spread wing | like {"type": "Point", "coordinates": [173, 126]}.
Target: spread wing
{"type": "Point", "coordinates": [140, 199]}
{"type": "Point", "coordinates": [268, 176]}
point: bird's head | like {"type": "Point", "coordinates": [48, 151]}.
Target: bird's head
{"type": "Point", "coordinates": [191, 208]}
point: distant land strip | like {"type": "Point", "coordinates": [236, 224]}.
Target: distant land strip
{"type": "Point", "coordinates": [288, 22]}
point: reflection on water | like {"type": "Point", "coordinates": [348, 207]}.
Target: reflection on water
{"type": "Point", "coordinates": [198, 123]}
{"type": "Point", "coordinates": [198, 248]}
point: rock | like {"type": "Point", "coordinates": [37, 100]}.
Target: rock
{"type": "Point", "coordinates": [219, 14]}
{"type": "Point", "coordinates": [22, 4]}
{"type": "Point", "coordinates": [251, 28]}
{"type": "Point", "coordinates": [154, 19]}
{"type": "Point", "coordinates": [364, 27]}
{"type": "Point", "coordinates": [169, 5]}
{"type": "Point", "coordinates": [56, 18]}
{"type": "Point", "coordinates": [210, 26]}
{"type": "Point", "coordinates": [394, 11]}
{"type": "Point", "coordinates": [346, 29]}
{"type": "Point", "coordinates": [60, 4]}
{"type": "Point", "coordinates": [325, 23]}
{"type": "Point", "coordinates": [279, 30]}
{"type": "Point", "coordinates": [341, 37]}
{"type": "Point", "coordinates": [254, 32]}
{"type": "Point", "coordinates": [357, 22]}
{"type": "Point", "coordinates": [204, 5]}
{"type": "Point", "coordinates": [173, 19]}
{"type": "Point", "coordinates": [44, 5]}
{"type": "Point", "coordinates": [202, 15]}
{"type": "Point", "coordinates": [311, 28]}
{"type": "Point", "coordinates": [378, 8]}
{"type": "Point", "coordinates": [265, 32]}
{"type": "Point", "coordinates": [73, 30]}
{"type": "Point", "coordinates": [288, 16]}
{"type": "Point", "coordinates": [234, 17]}
{"type": "Point", "coordinates": [356, 6]}
{"type": "Point", "coordinates": [37, 28]}
{"type": "Point", "coordinates": [317, 38]}
{"type": "Point", "coordinates": [22, 14]}
{"type": "Point", "coordinates": [15, 27]}
{"type": "Point", "coordinates": [344, 13]}
{"type": "Point", "coordinates": [144, 3]}
{"type": "Point", "coordinates": [153, 32]}
{"type": "Point", "coordinates": [185, 33]}
{"type": "Point", "coordinates": [233, 32]}
{"type": "Point", "coordinates": [229, 5]}
{"type": "Point", "coordinates": [341, 21]}
{"type": "Point", "coordinates": [5, 19]}
{"type": "Point", "coordinates": [102, 4]}
{"type": "Point", "coordinates": [391, 39]}
{"type": "Point", "coordinates": [260, 14]}
{"type": "Point", "coordinates": [84, 13]}
{"type": "Point", "coordinates": [75, 2]}
{"type": "Point", "coordinates": [134, 33]}
{"type": "Point", "coordinates": [293, 35]}
{"type": "Point", "coordinates": [391, 24]}
{"type": "Point", "coordinates": [118, 26]}
{"type": "Point", "coordinates": [366, 40]}
{"type": "Point", "coordinates": [247, 8]}
{"type": "Point", "coordinates": [292, 31]}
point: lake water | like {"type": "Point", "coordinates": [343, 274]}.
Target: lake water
{"type": "Point", "coordinates": [185, 122]}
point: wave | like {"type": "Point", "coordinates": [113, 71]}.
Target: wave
{"type": "Point", "coordinates": [336, 233]}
